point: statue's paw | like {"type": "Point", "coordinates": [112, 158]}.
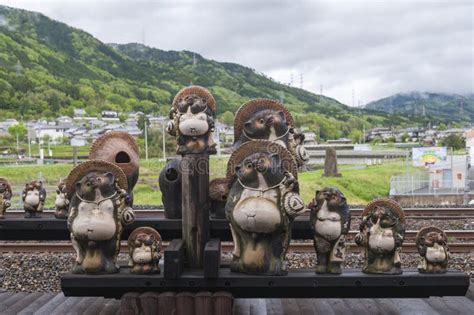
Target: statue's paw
{"type": "Point", "coordinates": [321, 269]}
{"type": "Point", "coordinates": [335, 269]}
{"type": "Point", "coordinates": [128, 216]}
{"type": "Point", "coordinates": [78, 269]}
{"type": "Point", "coordinates": [111, 267]}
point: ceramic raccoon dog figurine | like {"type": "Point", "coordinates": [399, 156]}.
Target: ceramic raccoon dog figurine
{"type": "Point", "coordinates": [261, 206]}
{"type": "Point", "coordinates": [330, 220]}
{"type": "Point", "coordinates": [265, 119]}
{"type": "Point", "coordinates": [192, 120]}
{"type": "Point", "coordinates": [5, 196]}
{"type": "Point", "coordinates": [33, 196]}
{"type": "Point", "coordinates": [382, 231]}
{"type": "Point", "coordinates": [97, 213]}
{"type": "Point", "coordinates": [431, 243]}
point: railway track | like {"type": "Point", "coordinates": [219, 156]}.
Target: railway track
{"type": "Point", "coordinates": [461, 241]}
{"type": "Point", "coordinates": [297, 247]}
{"type": "Point", "coordinates": [411, 213]}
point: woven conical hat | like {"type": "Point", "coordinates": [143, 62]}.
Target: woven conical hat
{"type": "Point", "coordinates": [261, 146]}
{"type": "Point", "coordinates": [247, 110]}
{"type": "Point", "coordinates": [99, 166]}
{"type": "Point", "coordinates": [109, 145]}
{"type": "Point", "coordinates": [144, 230]}
{"type": "Point", "coordinates": [424, 231]}
{"type": "Point", "coordinates": [197, 90]}
{"type": "Point", "coordinates": [385, 202]}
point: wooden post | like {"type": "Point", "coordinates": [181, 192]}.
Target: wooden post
{"type": "Point", "coordinates": [195, 205]}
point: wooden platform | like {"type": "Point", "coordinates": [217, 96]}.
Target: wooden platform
{"type": "Point", "coordinates": [52, 304]}
{"type": "Point", "coordinates": [297, 284]}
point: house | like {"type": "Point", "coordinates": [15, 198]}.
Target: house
{"type": "Point", "coordinates": [309, 138]}
{"type": "Point", "coordinates": [109, 114]}
{"type": "Point", "coordinates": [79, 112]}
{"type": "Point", "coordinates": [55, 132]}
{"type": "Point", "coordinates": [339, 141]}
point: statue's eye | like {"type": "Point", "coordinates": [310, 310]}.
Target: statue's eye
{"type": "Point", "coordinates": [261, 120]}
{"type": "Point", "coordinates": [88, 184]}
{"type": "Point", "coordinates": [249, 165]}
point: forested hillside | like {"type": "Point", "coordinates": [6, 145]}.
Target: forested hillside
{"type": "Point", "coordinates": [48, 68]}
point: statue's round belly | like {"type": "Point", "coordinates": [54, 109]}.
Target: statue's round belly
{"type": "Point", "coordinates": [141, 257]}
{"type": "Point", "coordinates": [193, 127]}
{"type": "Point", "coordinates": [434, 254]}
{"type": "Point", "coordinates": [329, 229]}
{"type": "Point", "coordinates": [381, 243]}
{"type": "Point", "coordinates": [32, 199]}
{"type": "Point", "coordinates": [94, 225]}
{"type": "Point", "coordinates": [257, 215]}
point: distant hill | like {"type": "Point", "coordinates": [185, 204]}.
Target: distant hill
{"type": "Point", "coordinates": [48, 69]}
{"type": "Point", "coordinates": [443, 107]}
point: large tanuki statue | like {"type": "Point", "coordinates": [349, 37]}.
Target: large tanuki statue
{"type": "Point", "coordinates": [97, 213]}
{"type": "Point", "coordinates": [262, 203]}
{"type": "Point", "coordinates": [121, 149]}
{"type": "Point", "coordinates": [432, 244]}
{"type": "Point", "coordinates": [192, 120]}
{"type": "Point", "coordinates": [33, 196]}
{"type": "Point", "coordinates": [330, 219]}
{"type": "Point", "coordinates": [382, 230]}
{"type": "Point", "coordinates": [5, 196]}
{"type": "Point", "coordinates": [265, 119]}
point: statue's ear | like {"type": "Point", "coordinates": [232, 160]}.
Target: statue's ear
{"type": "Point", "coordinates": [282, 115]}
{"type": "Point", "coordinates": [110, 177]}
{"type": "Point", "coordinates": [237, 167]}
{"type": "Point", "coordinates": [276, 160]}
{"type": "Point", "coordinates": [248, 124]}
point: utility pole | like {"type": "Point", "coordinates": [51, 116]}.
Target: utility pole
{"type": "Point", "coordinates": [17, 145]}
{"type": "Point", "coordinates": [321, 89]}
{"type": "Point", "coordinates": [29, 144]}
{"type": "Point", "coordinates": [466, 181]}
{"type": "Point", "coordinates": [164, 143]}
{"type": "Point", "coordinates": [146, 139]}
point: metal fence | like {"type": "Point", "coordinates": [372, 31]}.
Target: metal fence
{"type": "Point", "coordinates": [419, 183]}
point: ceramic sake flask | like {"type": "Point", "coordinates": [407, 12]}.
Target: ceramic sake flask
{"type": "Point", "coordinates": [5, 196]}
{"type": "Point", "coordinates": [61, 204]}
{"type": "Point", "coordinates": [432, 244]}
{"type": "Point", "coordinates": [330, 220]}
{"type": "Point", "coordinates": [121, 149]}
{"type": "Point", "coordinates": [97, 213]}
{"type": "Point", "coordinates": [170, 187]}
{"type": "Point", "coordinates": [262, 203]}
{"type": "Point", "coordinates": [218, 193]}
{"type": "Point", "coordinates": [265, 119]}
{"type": "Point", "coordinates": [192, 120]}
{"type": "Point", "coordinates": [33, 196]}
{"type": "Point", "coordinates": [381, 233]}
{"type": "Point", "coordinates": [144, 246]}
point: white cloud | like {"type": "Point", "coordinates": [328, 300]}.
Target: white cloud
{"type": "Point", "coordinates": [376, 48]}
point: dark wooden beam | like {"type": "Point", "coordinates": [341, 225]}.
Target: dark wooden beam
{"type": "Point", "coordinates": [297, 284]}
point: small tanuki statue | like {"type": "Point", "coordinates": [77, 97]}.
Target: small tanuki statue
{"type": "Point", "coordinates": [144, 246]}
{"type": "Point", "coordinates": [5, 196]}
{"type": "Point", "coordinates": [331, 220]}
{"type": "Point", "coordinates": [265, 119]}
{"type": "Point", "coordinates": [97, 212]}
{"type": "Point", "coordinates": [192, 120]}
{"type": "Point", "coordinates": [33, 196]}
{"type": "Point", "coordinates": [61, 204]}
{"type": "Point", "coordinates": [432, 244]}
{"type": "Point", "coordinates": [121, 149]}
{"type": "Point", "coordinates": [262, 204]}
{"type": "Point", "coordinates": [382, 230]}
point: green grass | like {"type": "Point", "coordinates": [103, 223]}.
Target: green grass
{"type": "Point", "coordinates": [360, 185]}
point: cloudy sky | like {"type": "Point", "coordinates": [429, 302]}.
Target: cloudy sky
{"type": "Point", "coordinates": [358, 51]}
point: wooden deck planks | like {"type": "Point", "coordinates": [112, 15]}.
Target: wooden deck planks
{"type": "Point", "coordinates": [51, 304]}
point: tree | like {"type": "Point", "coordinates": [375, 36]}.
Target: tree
{"type": "Point", "coordinates": [18, 130]}
{"type": "Point", "coordinates": [227, 118]}
{"type": "Point", "coordinates": [455, 141]}
{"type": "Point", "coordinates": [404, 137]}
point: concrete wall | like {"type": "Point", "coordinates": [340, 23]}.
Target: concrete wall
{"type": "Point", "coordinates": [450, 199]}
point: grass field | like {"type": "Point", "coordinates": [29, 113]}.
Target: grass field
{"type": "Point", "coordinates": [360, 185]}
